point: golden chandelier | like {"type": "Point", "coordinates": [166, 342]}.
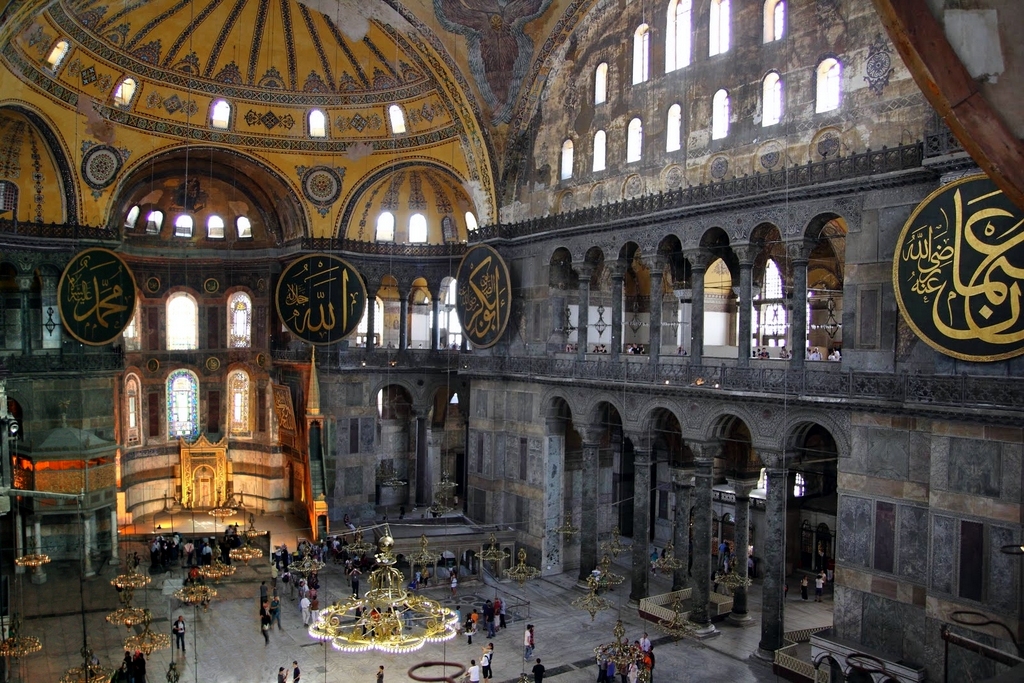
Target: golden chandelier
{"type": "Point", "coordinates": [522, 572]}
{"type": "Point", "coordinates": [17, 645]}
{"type": "Point", "coordinates": [147, 641]}
{"type": "Point", "coordinates": [88, 672]}
{"type": "Point", "coordinates": [591, 602]}
{"type": "Point", "coordinates": [387, 618]}
{"type": "Point", "coordinates": [33, 560]}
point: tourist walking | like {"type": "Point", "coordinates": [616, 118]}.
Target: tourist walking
{"type": "Point", "coordinates": [528, 642]}
{"type": "Point", "coordinates": [296, 674]}
{"type": "Point", "coordinates": [304, 607]}
{"type": "Point", "coordinates": [179, 633]}
{"type": "Point", "coordinates": [538, 672]}
{"type": "Point", "coordinates": [455, 582]}
{"type": "Point", "coordinates": [275, 611]}
{"type": "Point", "coordinates": [474, 672]}
{"type": "Point", "coordinates": [485, 662]}
{"type": "Point", "coordinates": [819, 586]}
{"type": "Point", "coordinates": [265, 628]}
{"type": "Point", "coordinates": [380, 674]}
{"type": "Point", "coordinates": [803, 588]}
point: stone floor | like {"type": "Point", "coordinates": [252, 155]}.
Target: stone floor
{"type": "Point", "coordinates": [224, 645]}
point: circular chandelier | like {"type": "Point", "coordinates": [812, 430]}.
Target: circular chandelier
{"type": "Point", "coordinates": [387, 476]}
{"type": "Point", "coordinates": [607, 578]}
{"type": "Point", "coordinates": [196, 594]}
{"type": "Point", "coordinates": [359, 546]}
{"type": "Point", "coordinates": [17, 645]}
{"type": "Point", "coordinates": [591, 602]}
{"type": "Point", "coordinates": [308, 565]}
{"type": "Point", "coordinates": [567, 529]}
{"type": "Point", "coordinates": [33, 560]}
{"type": "Point", "coordinates": [89, 672]}
{"type": "Point", "coordinates": [668, 562]}
{"type": "Point", "coordinates": [493, 553]}
{"type": "Point", "coordinates": [620, 650]}
{"type": "Point", "coordinates": [147, 641]}
{"type": "Point", "coordinates": [732, 580]}
{"type": "Point", "coordinates": [387, 618]}
{"type": "Point", "coordinates": [216, 571]}
{"type": "Point", "coordinates": [245, 553]}
{"type": "Point", "coordinates": [679, 626]}
{"type": "Point", "coordinates": [522, 572]}
{"type": "Point", "coordinates": [126, 615]}
{"type": "Point", "coordinates": [227, 509]}
{"type": "Point", "coordinates": [424, 558]}
{"type": "Point", "coordinates": [130, 579]}
{"type": "Point", "coordinates": [613, 546]}
{"type": "Point", "coordinates": [251, 531]}
{"type": "Point", "coordinates": [444, 496]}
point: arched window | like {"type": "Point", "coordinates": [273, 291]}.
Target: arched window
{"type": "Point", "coordinates": [220, 115]}
{"type": "Point", "coordinates": [471, 224]}
{"type": "Point", "coordinates": [566, 160]}
{"type": "Point", "coordinates": [774, 19]}
{"type": "Point", "coordinates": [183, 226]}
{"type": "Point", "coordinates": [317, 124]}
{"type": "Point", "coordinates": [131, 335]}
{"type": "Point", "coordinates": [418, 228]}
{"type": "Point", "coordinates": [154, 221]}
{"type": "Point", "coordinates": [397, 119]}
{"type": "Point", "coordinates": [828, 73]}
{"type": "Point", "coordinates": [130, 220]}
{"type": "Point", "coordinates": [799, 485]}
{"type": "Point", "coordinates": [601, 83]}
{"type": "Point", "coordinates": [599, 151]}
{"type": "Point", "coordinates": [677, 35]}
{"type": "Point", "coordinates": [131, 409]}
{"type": "Point", "coordinates": [771, 99]}
{"type": "Point", "coordinates": [719, 28]}
{"type": "Point", "coordinates": [8, 198]}
{"type": "Point", "coordinates": [385, 227]}
{"type": "Point", "coordinates": [215, 228]}
{"type": "Point", "coordinates": [674, 128]}
{"type": "Point", "coordinates": [238, 390]}
{"type": "Point", "coordinates": [634, 140]}
{"type": "Point", "coordinates": [182, 405]}
{"type": "Point", "coordinates": [772, 322]}
{"type": "Point", "coordinates": [57, 54]}
{"type": "Point", "coordinates": [244, 228]}
{"type": "Point", "coordinates": [239, 321]}
{"type": "Point", "coordinates": [641, 53]}
{"type": "Point", "coordinates": [182, 322]}
{"type": "Point", "coordinates": [362, 329]}
{"type": "Point", "coordinates": [125, 92]}
{"type": "Point", "coordinates": [720, 115]}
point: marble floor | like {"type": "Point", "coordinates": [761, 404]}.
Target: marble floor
{"type": "Point", "coordinates": [224, 645]}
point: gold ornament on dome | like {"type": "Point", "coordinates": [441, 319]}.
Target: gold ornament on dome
{"type": "Point", "coordinates": [147, 641]}
{"type": "Point", "coordinates": [33, 560]}
{"type": "Point", "coordinates": [522, 572]}
{"type": "Point", "coordinates": [17, 645]}
{"type": "Point", "coordinates": [591, 602]}
{"type": "Point", "coordinates": [668, 562]}
{"type": "Point", "coordinates": [387, 618]}
{"type": "Point", "coordinates": [492, 553]}
{"type": "Point", "coordinates": [614, 547]}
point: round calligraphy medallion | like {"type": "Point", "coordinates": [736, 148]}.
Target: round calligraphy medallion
{"type": "Point", "coordinates": [100, 166]}
{"type": "Point", "coordinates": [96, 296]}
{"type": "Point", "coordinates": [955, 268]}
{"type": "Point", "coordinates": [153, 285]}
{"type": "Point", "coordinates": [484, 301]}
{"type": "Point", "coordinates": [321, 185]}
{"type": "Point", "coordinates": [320, 298]}
{"type": "Point", "coordinates": [211, 285]}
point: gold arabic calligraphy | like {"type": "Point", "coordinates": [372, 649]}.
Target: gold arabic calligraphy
{"type": "Point", "coordinates": [97, 296]}
{"type": "Point", "coordinates": [967, 268]}
{"type": "Point", "coordinates": [482, 299]}
{"type": "Point", "coordinates": [318, 299]}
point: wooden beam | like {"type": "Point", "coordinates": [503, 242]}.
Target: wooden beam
{"type": "Point", "coordinates": [942, 77]}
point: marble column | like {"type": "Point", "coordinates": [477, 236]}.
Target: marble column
{"type": "Point", "coordinates": [654, 344]}
{"type": "Point", "coordinates": [588, 512]}
{"type": "Point", "coordinates": [682, 487]}
{"type": "Point", "coordinates": [641, 520]}
{"type": "Point", "coordinates": [49, 315]}
{"type": "Point", "coordinates": [24, 290]}
{"type": "Point", "coordinates": [558, 337]}
{"type": "Point", "coordinates": [583, 316]}
{"type": "Point", "coordinates": [799, 254]}
{"type": "Point", "coordinates": [403, 319]}
{"type": "Point", "coordinates": [741, 539]}
{"type": "Point", "coordinates": [745, 255]}
{"type": "Point", "coordinates": [422, 471]}
{"type": "Point", "coordinates": [435, 329]}
{"type": "Point", "coordinates": [773, 553]}
{"type": "Point", "coordinates": [371, 319]}
{"type": "Point", "coordinates": [703, 480]}
{"type": "Point", "coordinates": [19, 546]}
{"type": "Point", "coordinates": [554, 502]}
{"type": "Point", "coordinates": [115, 557]}
{"type": "Point", "coordinates": [38, 574]}
{"type": "Point", "coordinates": [87, 545]}
{"type": "Point", "coordinates": [698, 264]}
{"type": "Point", "coordinates": [618, 272]}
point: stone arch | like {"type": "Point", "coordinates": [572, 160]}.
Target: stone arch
{"type": "Point", "coordinates": [61, 156]}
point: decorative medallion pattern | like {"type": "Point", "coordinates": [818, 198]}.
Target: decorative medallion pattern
{"type": "Point", "coordinates": [770, 160]}
{"type": "Point", "coordinates": [956, 271]}
{"type": "Point", "coordinates": [101, 164]}
{"type": "Point", "coordinates": [719, 167]}
{"type": "Point", "coordinates": [321, 185]}
{"type": "Point", "coordinates": [878, 67]}
{"type": "Point", "coordinates": [96, 296]}
{"type": "Point", "coordinates": [828, 144]}
{"type": "Point", "coordinates": [484, 302]}
{"type": "Point", "coordinates": [320, 298]}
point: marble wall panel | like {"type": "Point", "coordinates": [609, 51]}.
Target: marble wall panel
{"type": "Point", "coordinates": [885, 536]}
{"type": "Point", "coordinates": [920, 457]}
{"type": "Point", "coordinates": [942, 554]}
{"type": "Point", "coordinates": [1010, 464]}
{"type": "Point", "coordinates": [974, 467]}
{"type": "Point", "coordinates": [912, 543]}
{"type": "Point", "coordinates": [939, 479]}
{"type": "Point", "coordinates": [1003, 568]}
{"type": "Point", "coordinates": [882, 624]}
{"type": "Point", "coordinates": [859, 440]}
{"type": "Point", "coordinates": [854, 533]}
{"type": "Point", "coordinates": [367, 431]}
{"type": "Point", "coordinates": [848, 606]}
{"type": "Point", "coordinates": [887, 454]}
{"type": "Point", "coordinates": [352, 480]}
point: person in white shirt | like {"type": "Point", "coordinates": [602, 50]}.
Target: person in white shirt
{"type": "Point", "coordinates": [304, 604]}
{"type": "Point", "coordinates": [474, 672]}
{"type": "Point", "coordinates": [645, 643]}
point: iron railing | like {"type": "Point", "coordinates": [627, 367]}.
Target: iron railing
{"type": "Point", "coordinates": [55, 362]}
{"type": "Point", "coordinates": [68, 231]}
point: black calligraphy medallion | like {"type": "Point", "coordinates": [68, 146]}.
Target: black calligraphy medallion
{"type": "Point", "coordinates": [484, 303]}
{"type": "Point", "coordinates": [96, 296]}
{"type": "Point", "coordinates": [957, 271]}
{"type": "Point", "coordinates": [320, 298]}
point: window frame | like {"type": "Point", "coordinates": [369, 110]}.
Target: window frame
{"type": "Point", "coordinates": [174, 430]}
{"type": "Point", "coordinates": [771, 19]}
{"type": "Point", "coordinates": [377, 228]}
{"type": "Point", "coordinates": [118, 97]}
{"type": "Point", "coordinates": [679, 35]}
{"type": "Point", "coordinates": [419, 231]}
{"type": "Point", "coordinates": [719, 29]}
{"type": "Point", "coordinates": [775, 99]}
{"type": "Point", "coordinates": [601, 83]}
{"type": "Point", "coordinates": [825, 78]}
{"type": "Point", "coordinates": [220, 122]}
{"type": "Point", "coordinates": [239, 391]}
{"type": "Point", "coordinates": [635, 141]}
{"type": "Point", "coordinates": [396, 120]}
{"type": "Point", "coordinates": [720, 115]}
{"type": "Point", "coordinates": [566, 160]}
{"type": "Point", "coordinates": [600, 152]}
{"type": "Point", "coordinates": [674, 128]}
{"type": "Point", "coordinates": [172, 323]}
{"type": "Point", "coordinates": [316, 131]}
{"type": "Point", "coordinates": [641, 54]}
{"type": "Point", "coordinates": [239, 333]}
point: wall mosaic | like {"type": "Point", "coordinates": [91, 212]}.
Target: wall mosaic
{"type": "Point", "coordinates": [878, 67]}
{"type": "Point", "coordinates": [321, 185]}
{"type": "Point", "coordinates": [101, 164]}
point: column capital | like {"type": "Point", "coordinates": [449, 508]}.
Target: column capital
{"type": "Point", "coordinates": [799, 250]}
{"type": "Point", "coordinates": [742, 487]}
{"type": "Point", "coordinates": [706, 450]}
{"type": "Point", "coordinates": [585, 271]}
{"type": "Point", "coordinates": [745, 254]}
{"type": "Point", "coordinates": [590, 435]}
{"type": "Point", "coordinates": [617, 268]}
{"type": "Point", "coordinates": [775, 460]}
{"type": "Point", "coordinates": [699, 258]}
{"type": "Point", "coordinates": [682, 477]}
{"type": "Point", "coordinates": [641, 441]}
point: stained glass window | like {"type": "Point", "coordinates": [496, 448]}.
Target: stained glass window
{"type": "Point", "coordinates": [239, 321]}
{"type": "Point", "coordinates": [238, 390]}
{"type": "Point", "coordinates": [182, 322]}
{"type": "Point", "coordinates": [182, 405]}
{"type": "Point", "coordinates": [131, 398]}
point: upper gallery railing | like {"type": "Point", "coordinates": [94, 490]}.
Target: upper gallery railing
{"type": "Point", "coordinates": [67, 231]}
